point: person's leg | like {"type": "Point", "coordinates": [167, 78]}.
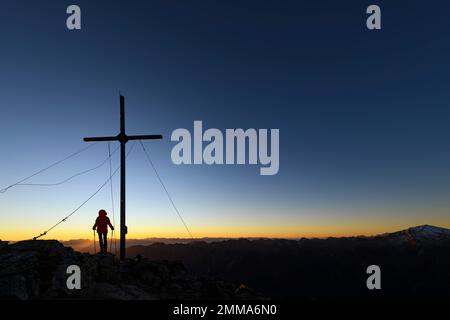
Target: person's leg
{"type": "Point", "coordinates": [100, 240]}
{"type": "Point", "coordinates": [106, 242]}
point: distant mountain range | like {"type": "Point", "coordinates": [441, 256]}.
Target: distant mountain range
{"type": "Point", "coordinates": [414, 263]}
{"type": "Point", "coordinates": [419, 233]}
{"type": "Point", "coordinates": [85, 245]}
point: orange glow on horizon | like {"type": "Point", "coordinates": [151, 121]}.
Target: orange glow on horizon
{"type": "Point", "coordinates": [287, 232]}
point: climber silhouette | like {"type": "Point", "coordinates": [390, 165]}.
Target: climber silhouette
{"type": "Point", "coordinates": [101, 224]}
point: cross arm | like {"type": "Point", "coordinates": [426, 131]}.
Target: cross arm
{"type": "Point", "coordinates": [91, 139]}
{"type": "Point", "coordinates": [146, 137]}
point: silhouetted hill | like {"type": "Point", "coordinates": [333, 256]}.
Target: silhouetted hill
{"type": "Point", "coordinates": [414, 263]}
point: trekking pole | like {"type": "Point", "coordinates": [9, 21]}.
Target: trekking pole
{"type": "Point", "coordinates": [115, 245]}
{"type": "Point", "coordinates": [95, 247]}
{"type": "Point", "coordinates": [110, 241]}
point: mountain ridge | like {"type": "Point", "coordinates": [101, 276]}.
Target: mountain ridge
{"type": "Point", "coordinates": [415, 262]}
{"type": "Point", "coordinates": [86, 245]}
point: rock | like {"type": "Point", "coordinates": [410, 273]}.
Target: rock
{"type": "Point", "coordinates": [246, 293]}
{"type": "Point", "coordinates": [14, 288]}
{"type": "Point", "coordinates": [38, 270]}
{"type": "Point", "coordinates": [12, 264]}
{"type": "Point", "coordinates": [116, 292]}
{"type": "Point", "coordinates": [3, 243]}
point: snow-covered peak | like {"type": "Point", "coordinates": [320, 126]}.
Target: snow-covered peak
{"type": "Point", "coordinates": [423, 233]}
{"type": "Point", "coordinates": [429, 232]}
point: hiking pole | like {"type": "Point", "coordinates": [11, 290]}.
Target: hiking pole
{"type": "Point", "coordinates": [110, 241]}
{"type": "Point", "coordinates": [115, 245]}
{"type": "Point", "coordinates": [95, 247]}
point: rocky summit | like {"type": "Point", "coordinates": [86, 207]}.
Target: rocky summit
{"type": "Point", "coordinates": [38, 270]}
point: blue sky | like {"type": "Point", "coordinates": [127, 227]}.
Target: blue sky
{"type": "Point", "coordinates": [363, 115]}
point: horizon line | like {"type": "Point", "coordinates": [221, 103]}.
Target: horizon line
{"type": "Point", "coordinates": [243, 237]}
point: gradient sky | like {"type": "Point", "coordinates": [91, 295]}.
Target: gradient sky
{"type": "Point", "coordinates": [363, 115]}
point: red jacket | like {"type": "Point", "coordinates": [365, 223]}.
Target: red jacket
{"type": "Point", "coordinates": [102, 222]}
